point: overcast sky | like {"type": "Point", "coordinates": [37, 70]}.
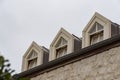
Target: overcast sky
{"type": "Point", "coordinates": [24, 21]}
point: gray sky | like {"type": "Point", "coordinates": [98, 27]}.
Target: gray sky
{"type": "Point", "coordinates": [24, 21]}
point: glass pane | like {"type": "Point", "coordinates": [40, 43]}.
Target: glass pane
{"type": "Point", "coordinates": [61, 42]}
{"type": "Point", "coordinates": [99, 26]}
{"type": "Point", "coordinates": [32, 54]}
{"type": "Point", "coordinates": [101, 36]}
{"type": "Point", "coordinates": [32, 63]}
{"type": "Point", "coordinates": [94, 39]}
{"type": "Point", "coordinates": [96, 27]}
{"type": "Point", "coordinates": [93, 29]}
{"type": "Point", "coordinates": [61, 52]}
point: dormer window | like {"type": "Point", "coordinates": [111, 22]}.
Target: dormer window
{"type": "Point", "coordinates": [63, 44]}
{"type": "Point", "coordinates": [34, 56]}
{"type": "Point", "coordinates": [32, 59]}
{"type": "Point", "coordinates": [96, 33]}
{"type": "Point", "coordinates": [61, 48]}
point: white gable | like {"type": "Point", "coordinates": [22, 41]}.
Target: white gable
{"type": "Point", "coordinates": [62, 33]}
{"type": "Point", "coordinates": [102, 21]}
{"type": "Point", "coordinates": [66, 38]}
{"type": "Point", "coordinates": [34, 46]}
{"type": "Point", "coordinates": [96, 18]}
{"type": "Point", "coordinates": [33, 51]}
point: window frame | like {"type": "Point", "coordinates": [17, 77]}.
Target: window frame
{"type": "Point", "coordinates": [63, 46]}
{"type": "Point", "coordinates": [30, 59]}
{"type": "Point", "coordinates": [96, 33]}
{"type": "Point", "coordinates": [33, 62]}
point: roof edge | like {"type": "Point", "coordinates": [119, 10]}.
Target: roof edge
{"type": "Point", "coordinates": [81, 54]}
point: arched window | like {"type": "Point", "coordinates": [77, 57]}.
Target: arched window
{"type": "Point", "coordinates": [32, 59]}
{"type": "Point", "coordinates": [96, 33]}
{"type": "Point", "coordinates": [61, 47]}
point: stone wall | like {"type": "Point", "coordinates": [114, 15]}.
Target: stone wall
{"type": "Point", "coordinates": [103, 66]}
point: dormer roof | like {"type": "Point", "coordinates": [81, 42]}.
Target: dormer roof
{"type": "Point", "coordinates": [61, 32]}
{"type": "Point", "coordinates": [33, 46]}
{"type": "Point", "coordinates": [95, 17]}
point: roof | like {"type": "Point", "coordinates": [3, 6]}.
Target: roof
{"type": "Point", "coordinates": [77, 38]}
{"type": "Point", "coordinates": [98, 16]}
{"type": "Point", "coordinates": [45, 49]}
{"type": "Point", "coordinates": [115, 24]}
{"type": "Point", "coordinates": [75, 56]}
{"type": "Point", "coordinates": [34, 44]}
{"type": "Point", "coordinates": [63, 31]}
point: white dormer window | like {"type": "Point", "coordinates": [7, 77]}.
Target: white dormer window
{"type": "Point", "coordinates": [96, 33]}
{"type": "Point", "coordinates": [34, 56]}
{"type": "Point", "coordinates": [64, 43]}
{"type": "Point", "coordinates": [61, 48]}
{"type": "Point", "coordinates": [32, 59]}
{"type": "Point", "coordinates": [98, 29]}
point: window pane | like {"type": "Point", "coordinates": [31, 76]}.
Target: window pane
{"type": "Point", "coordinates": [101, 36]}
{"type": "Point", "coordinates": [32, 63]}
{"type": "Point", "coordinates": [96, 27]}
{"type": "Point", "coordinates": [93, 29]}
{"type": "Point", "coordinates": [61, 42]}
{"type": "Point", "coordinates": [61, 52]}
{"type": "Point", "coordinates": [99, 26]}
{"type": "Point", "coordinates": [64, 41]}
{"type": "Point", "coordinates": [96, 37]}
{"type": "Point", "coordinates": [97, 33]}
{"type": "Point", "coordinates": [32, 54]}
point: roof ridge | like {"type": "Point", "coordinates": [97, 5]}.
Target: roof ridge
{"type": "Point", "coordinates": [76, 37]}
{"type": "Point", "coordinates": [45, 48]}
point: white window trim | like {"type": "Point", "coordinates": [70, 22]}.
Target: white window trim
{"type": "Point", "coordinates": [61, 47]}
{"type": "Point", "coordinates": [101, 20]}
{"type": "Point", "coordinates": [70, 43]}
{"type": "Point", "coordinates": [32, 58]}
{"type": "Point", "coordinates": [99, 31]}
{"type": "Point", "coordinates": [29, 67]}
{"type": "Point", "coordinates": [98, 39]}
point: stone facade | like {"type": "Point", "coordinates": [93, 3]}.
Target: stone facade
{"type": "Point", "coordinates": [103, 66]}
